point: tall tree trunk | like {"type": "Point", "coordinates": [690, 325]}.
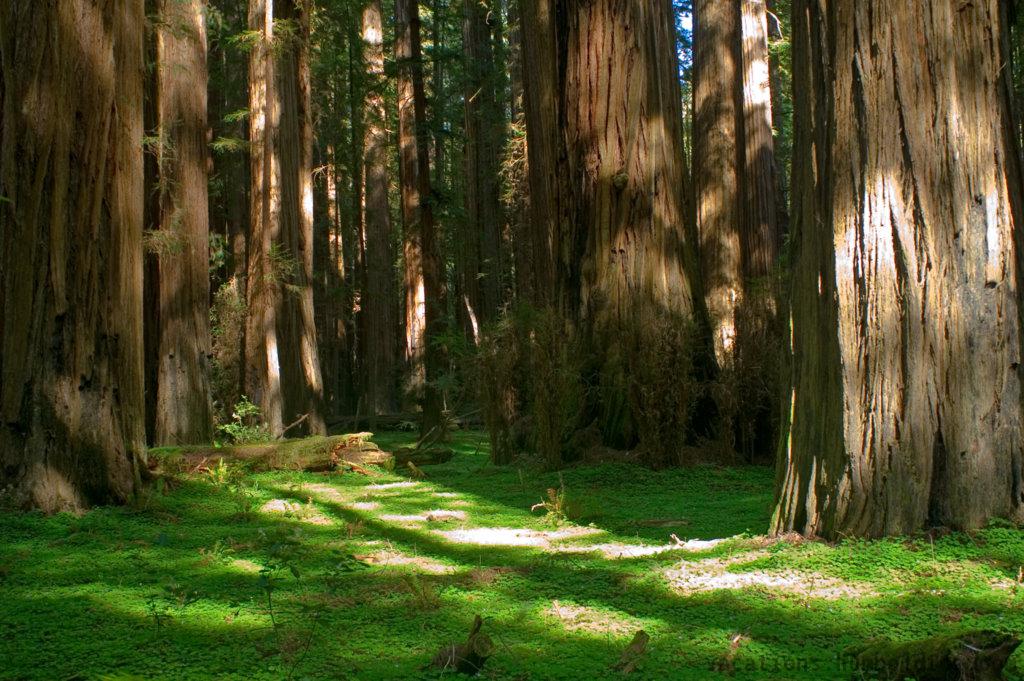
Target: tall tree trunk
{"type": "Point", "coordinates": [717, 154]}
{"type": "Point", "coordinates": [906, 327]}
{"type": "Point", "coordinates": [71, 365]}
{"type": "Point", "coordinates": [608, 183]}
{"type": "Point", "coordinates": [378, 323]}
{"type": "Point", "coordinates": [304, 392]}
{"type": "Point", "coordinates": [542, 24]}
{"type": "Point", "coordinates": [283, 375]}
{"type": "Point", "coordinates": [183, 407]}
{"type": "Point", "coordinates": [516, 170]}
{"type": "Point", "coordinates": [423, 285]}
{"type": "Point", "coordinates": [758, 329]}
{"type": "Point", "coordinates": [480, 273]}
{"type": "Point", "coordinates": [439, 97]}
{"type": "Point", "coordinates": [263, 285]}
{"type": "Point", "coordinates": [760, 234]}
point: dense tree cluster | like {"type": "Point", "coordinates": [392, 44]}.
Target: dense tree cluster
{"type": "Point", "coordinates": [759, 231]}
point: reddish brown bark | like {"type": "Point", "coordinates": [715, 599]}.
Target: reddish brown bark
{"type": "Point", "coordinates": [71, 349]}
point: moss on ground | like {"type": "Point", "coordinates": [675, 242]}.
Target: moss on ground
{"type": "Point", "coordinates": [368, 577]}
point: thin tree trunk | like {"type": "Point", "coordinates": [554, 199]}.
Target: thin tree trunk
{"type": "Point", "coordinates": [907, 335]}
{"type": "Point", "coordinates": [263, 286]}
{"type": "Point", "coordinates": [183, 407]}
{"type": "Point", "coordinates": [760, 242]}
{"type": "Point", "coordinates": [438, 94]}
{"type": "Point", "coordinates": [758, 329]}
{"type": "Point", "coordinates": [517, 171]}
{"type": "Point", "coordinates": [71, 349]}
{"type": "Point", "coordinates": [481, 271]}
{"type": "Point", "coordinates": [541, 26]}
{"type": "Point", "coordinates": [423, 286]}
{"type": "Point", "coordinates": [379, 340]}
{"type": "Point", "coordinates": [313, 398]}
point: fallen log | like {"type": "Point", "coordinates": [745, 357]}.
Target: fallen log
{"type": "Point", "coordinates": [977, 655]}
{"type": "Point", "coordinates": [305, 454]}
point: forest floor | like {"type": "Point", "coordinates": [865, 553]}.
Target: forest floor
{"type": "Point", "coordinates": [343, 576]}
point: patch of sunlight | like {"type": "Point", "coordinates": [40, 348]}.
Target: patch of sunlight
{"type": "Point", "coordinates": [440, 515]}
{"type": "Point", "coordinates": [281, 506]}
{"type": "Point", "coordinates": [446, 495]}
{"type": "Point", "coordinates": [580, 618]}
{"type": "Point", "coordinates": [246, 565]}
{"type": "Point", "coordinates": [616, 551]}
{"type": "Point", "coordinates": [436, 516]}
{"type": "Point", "coordinates": [391, 558]}
{"type": "Point", "coordinates": [392, 485]}
{"type": "Point", "coordinates": [398, 518]}
{"type": "Point", "coordinates": [712, 574]}
{"type": "Point", "coordinates": [512, 536]}
{"type": "Point", "coordinates": [364, 505]}
{"type": "Point", "coordinates": [302, 512]}
{"type": "Point", "coordinates": [327, 492]}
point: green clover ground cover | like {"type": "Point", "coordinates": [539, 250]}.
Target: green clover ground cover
{"type": "Point", "coordinates": [299, 575]}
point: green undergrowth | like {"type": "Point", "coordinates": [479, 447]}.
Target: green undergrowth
{"type": "Point", "coordinates": [233, 575]}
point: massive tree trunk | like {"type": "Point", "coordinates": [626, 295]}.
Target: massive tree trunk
{"type": "Point", "coordinates": [717, 157]}
{"type": "Point", "coordinates": [282, 365]}
{"type": "Point", "coordinates": [183, 411]}
{"type": "Point", "coordinates": [608, 183]}
{"type": "Point", "coordinates": [625, 243]}
{"type": "Point", "coordinates": [906, 383]}
{"type": "Point", "coordinates": [379, 327]}
{"type": "Point", "coordinates": [71, 375]}
{"type": "Point", "coordinates": [423, 285]}
{"type": "Point", "coordinates": [480, 264]}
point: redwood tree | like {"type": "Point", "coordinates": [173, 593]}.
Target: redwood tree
{"type": "Point", "coordinates": [611, 227]}
{"type": "Point", "coordinates": [479, 263]}
{"type": "Point", "coordinates": [282, 364]}
{"type": "Point", "coordinates": [717, 103]}
{"type": "Point", "coordinates": [378, 324]}
{"type": "Point", "coordinates": [906, 300]}
{"type": "Point", "coordinates": [424, 308]}
{"type": "Point", "coordinates": [180, 288]}
{"type": "Point", "coordinates": [71, 375]}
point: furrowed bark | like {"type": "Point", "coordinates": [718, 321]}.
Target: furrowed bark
{"type": "Point", "coordinates": [263, 288]}
{"type": "Point", "coordinates": [183, 408]}
{"type": "Point", "coordinates": [906, 407]}
{"type": "Point", "coordinates": [379, 366]}
{"type": "Point", "coordinates": [71, 350]}
{"type": "Point", "coordinates": [480, 270]}
{"type": "Point", "coordinates": [282, 363]}
{"type": "Point", "coordinates": [423, 284]}
{"type": "Point", "coordinates": [717, 159]}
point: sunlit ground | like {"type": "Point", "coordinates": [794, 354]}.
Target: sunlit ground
{"type": "Point", "coordinates": [344, 576]}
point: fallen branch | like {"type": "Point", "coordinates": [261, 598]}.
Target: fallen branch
{"type": "Point", "coordinates": [633, 653]}
{"type": "Point", "coordinates": [297, 422]}
{"type": "Point", "coordinates": [469, 657]}
{"type": "Point", "coordinates": [978, 655]}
